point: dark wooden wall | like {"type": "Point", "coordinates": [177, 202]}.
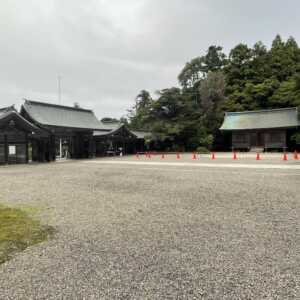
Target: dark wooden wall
{"type": "Point", "coordinates": [13, 146]}
{"type": "Point", "coordinates": [129, 145]}
{"type": "Point", "coordinates": [267, 139]}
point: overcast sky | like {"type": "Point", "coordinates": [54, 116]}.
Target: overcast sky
{"type": "Point", "coordinates": [106, 51]}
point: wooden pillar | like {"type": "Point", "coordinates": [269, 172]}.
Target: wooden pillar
{"type": "Point", "coordinates": [76, 146]}
{"type": "Point", "coordinates": [73, 154]}
{"type": "Point", "coordinates": [5, 149]}
{"type": "Point", "coordinates": [35, 150]}
{"type": "Point", "coordinates": [72, 147]}
{"type": "Point", "coordinates": [90, 147]}
{"type": "Point", "coordinates": [53, 147]}
{"type": "Point", "coordinates": [27, 150]}
{"type": "Point", "coordinates": [284, 134]}
{"type": "Point", "coordinates": [135, 146]}
{"type": "Point", "coordinates": [94, 147]}
{"type": "Point", "coordinates": [123, 146]}
{"type": "Point", "coordinates": [41, 151]}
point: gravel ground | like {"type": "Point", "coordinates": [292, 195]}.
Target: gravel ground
{"type": "Point", "coordinates": [156, 232]}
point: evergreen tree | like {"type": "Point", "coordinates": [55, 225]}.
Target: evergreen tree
{"type": "Point", "coordinates": [248, 79]}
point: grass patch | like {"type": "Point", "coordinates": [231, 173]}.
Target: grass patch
{"type": "Point", "coordinates": [19, 231]}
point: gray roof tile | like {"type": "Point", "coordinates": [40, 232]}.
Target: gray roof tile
{"type": "Point", "coordinates": [140, 134]}
{"type": "Point", "coordinates": [261, 119]}
{"type": "Point", "coordinates": [9, 113]}
{"type": "Point", "coordinates": [62, 116]}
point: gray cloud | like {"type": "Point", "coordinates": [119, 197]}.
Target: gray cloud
{"type": "Point", "coordinates": [108, 50]}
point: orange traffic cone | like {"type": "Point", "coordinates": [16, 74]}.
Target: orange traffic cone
{"type": "Point", "coordinates": [194, 156]}
{"type": "Point", "coordinates": [213, 156]}
{"type": "Point", "coordinates": [258, 156]}
{"type": "Point", "coordinates": [296, 157]}
{"type": "Point", "coordinates": [178, 156]}
{"type": "Point", "coordinates": [137, 155]}
{"type": "Point", "coordinates": [234, 156]}
{"type": "Point", "coordinates": [163, 156]}
{"type": "Point", "coordinates": [285, 157]}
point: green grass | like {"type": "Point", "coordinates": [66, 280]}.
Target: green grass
{"type": "Point", "coordinates": [19, 231]}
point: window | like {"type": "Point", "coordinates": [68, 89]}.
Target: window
{"type": "Point", "coordinates": [12, 150]}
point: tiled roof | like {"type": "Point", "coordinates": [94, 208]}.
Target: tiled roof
{"type": "Point", "coordinates": [61, 116]}
{"type": "Point", "coordinates": [140, 134]}
{"type": "Point", "coordinates": [261, 119]}
{"type": "Point", "coordinates": [9, 113]}
{"type": "Point", "coordinates": [136, 134]}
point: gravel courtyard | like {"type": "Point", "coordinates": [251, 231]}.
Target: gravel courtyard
{"type": "Point", "coordinates": [157, 231]}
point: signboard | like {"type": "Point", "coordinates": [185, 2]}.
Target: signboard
{"type": "Point", "coordinates": [12, 150]}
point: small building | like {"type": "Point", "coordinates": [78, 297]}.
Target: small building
{"type": "Point", "coordinates": [115, 137]}
{"type": "Point", "coordinates": [261, 129]}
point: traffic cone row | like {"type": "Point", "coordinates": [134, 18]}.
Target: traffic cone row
{"type": "Point", "coordinates": [213, 156]}
{"type": "Point", "coordinates": [194, 155]}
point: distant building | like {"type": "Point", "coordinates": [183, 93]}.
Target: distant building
{"type": "Point", "coordinates": [115, 138]}
{"type": "Point", "coordinates": [43, 131]}
{"type": "Point", "coordinates": [261, 129]}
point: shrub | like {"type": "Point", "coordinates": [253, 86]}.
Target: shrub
{"type": "Point", "coordinates": [207, 141]}
{"type": "Point", "coordinates": [296, 138]}
{"type": "Point", "coordinates": [178, 148]}
{"type": "Point", "coordinates": [202, 149]}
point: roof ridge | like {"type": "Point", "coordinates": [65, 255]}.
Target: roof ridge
{"type": "Point", "coordinates": [110, 121]}
{"type": "Point", "coordinates": [260, 111]}
{"type": "Point", "coordinates": [27, 101]}
{"type": "Point", "coordinates": [139, 130]}
{"type": "Point", "coordinates": [13, 111]}
{"type": "Point", "coordinates": [8, 108]}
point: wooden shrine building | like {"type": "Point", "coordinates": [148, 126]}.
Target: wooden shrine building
{"type": "Point", "coordinates": [43, 131]}
{"type": "Point", "coordinates": [262, 129]}
{"type": "Point", "coordinates": [16, 135]}
{"type": "Point", "coordinates": [70, 130]}
{"type": "Point", "coordinates": [114, 138]}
